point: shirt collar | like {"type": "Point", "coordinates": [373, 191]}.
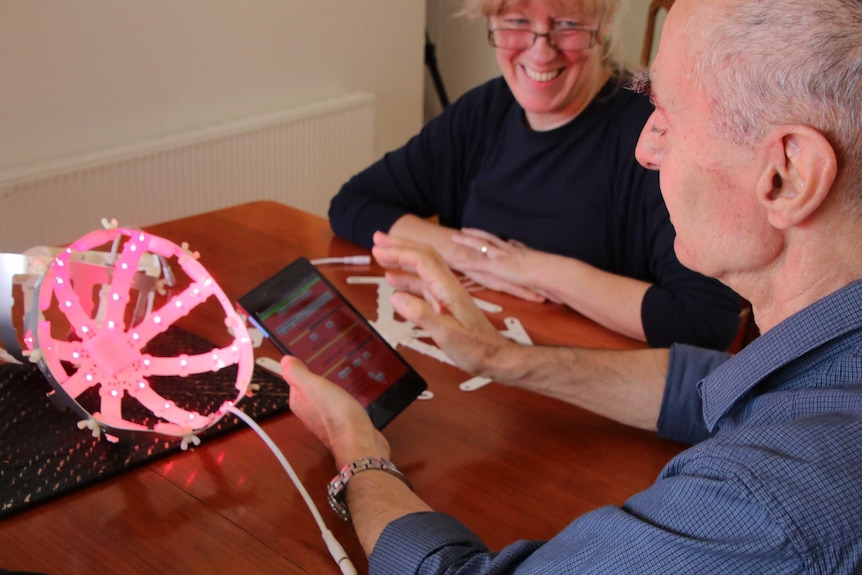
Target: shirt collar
{"type": "Point", "coordinates": [822, 321]}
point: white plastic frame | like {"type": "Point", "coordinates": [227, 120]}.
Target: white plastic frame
{"type": "Point", "coordinates": [107, 353]}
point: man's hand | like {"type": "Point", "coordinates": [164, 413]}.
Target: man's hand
{"type": "Point", "coordinates": [443, 307]}
{"type": "Point", "coordinates": [332, 415]}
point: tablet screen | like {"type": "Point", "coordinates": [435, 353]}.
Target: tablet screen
{"type": "Point", "coordinates": [304, 315]}
{"type": "Point", "coordinates": [311, 322]}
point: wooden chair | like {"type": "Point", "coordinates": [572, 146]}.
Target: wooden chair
{"type": "Point", "coordinates": [748, 330]}
{"type": "Point", "coordinates": [649, 36]}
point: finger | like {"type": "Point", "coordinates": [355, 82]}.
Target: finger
{"type": "Point", "coordinates": [468, 240]}
{"type": "Point", "coordinates": [481, 234]}
{"type": "Point", "coordinates": [436, 284]}
{"type": "Point", "coordinates": [414, 285]}
{"type": "Point", "coordinates": [387, 240]}
{"type": "Point", "coordinates": [410, 259]}
{"type": "Point", "coordinates": [393, 256]}
{"type": "Point", "coordinates": [421, 313]}
{"type": "Point", "coordinates": [483, 247]}
{"type": "Point", "coordinates": [495, 283]}
{"type": "Point", "coordinates": [404, 281]}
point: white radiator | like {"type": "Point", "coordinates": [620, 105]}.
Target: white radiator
{"type": "Point", "coordinates": [299, 156]}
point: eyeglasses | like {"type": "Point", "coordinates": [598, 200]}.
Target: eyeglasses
{"type": "Point", "coordinates": [570, 39]}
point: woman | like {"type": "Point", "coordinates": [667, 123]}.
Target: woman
{"type": "Point", "coordinates": [535, 187]}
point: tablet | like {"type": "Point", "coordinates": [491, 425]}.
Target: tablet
{"type": "Point", "coordinates": [304, 315]}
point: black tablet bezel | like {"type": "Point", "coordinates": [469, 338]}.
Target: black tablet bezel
{"type": "Point", "coordinates": [385, 406]}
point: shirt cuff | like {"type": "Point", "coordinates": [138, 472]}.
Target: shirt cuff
{"type": "Point", "coordinates": [409, 542]}
{"type": "Point", "coordinates": [681, 417]}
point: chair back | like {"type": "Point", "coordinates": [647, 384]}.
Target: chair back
{"type": "Point", "coordinates": [655, 7]}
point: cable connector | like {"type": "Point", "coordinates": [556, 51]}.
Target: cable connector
{"type": "Point", "coordinates": [339, 555]}
{"type": "Point", "coordinates": [349, 260]}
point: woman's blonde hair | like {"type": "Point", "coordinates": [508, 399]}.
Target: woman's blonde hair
{"type": "Point", "coordinates": [611, 11]}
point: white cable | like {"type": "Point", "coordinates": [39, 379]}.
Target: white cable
{"type": "Point", "coordinates": [335, 549]}
{"type": "Point", "coordinates": [350, 260]}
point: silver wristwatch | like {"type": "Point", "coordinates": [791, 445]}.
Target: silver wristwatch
{"type": "Point", "coordinates": [336, 487]}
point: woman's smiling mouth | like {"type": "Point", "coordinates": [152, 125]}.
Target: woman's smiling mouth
{"type": "Point", "coordinates": [542, 76]}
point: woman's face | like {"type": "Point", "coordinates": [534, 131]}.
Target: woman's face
{"type": "Point", "coordinates": [552, 85]}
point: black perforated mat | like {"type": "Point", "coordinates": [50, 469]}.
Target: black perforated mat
{"type": "Point", "coordinates": [43, 454]}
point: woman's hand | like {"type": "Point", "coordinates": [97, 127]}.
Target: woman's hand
{"type": "Point", "coordinates": [506, 266]}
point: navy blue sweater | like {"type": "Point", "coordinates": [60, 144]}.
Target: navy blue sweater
{"type": "Point", "coordinates": [576, 191]}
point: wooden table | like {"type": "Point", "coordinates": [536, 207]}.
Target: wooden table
{"type": "Point", "coordinates": [509, 463]}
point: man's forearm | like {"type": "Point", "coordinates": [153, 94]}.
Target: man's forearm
{"type": "Point", "coordinates": [626, 386]}
{"type": "Point", "coordinates": [375, 499]}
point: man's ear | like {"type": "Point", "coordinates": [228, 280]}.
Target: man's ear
{"type": "Point", "coordinates": [799, 170]}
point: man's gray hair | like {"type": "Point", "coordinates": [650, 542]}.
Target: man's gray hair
{"type": "Point", "coordinates": [773, 62]}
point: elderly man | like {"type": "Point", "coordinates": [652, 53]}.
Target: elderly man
{"type": "Point", "coordinates": [756, 135]}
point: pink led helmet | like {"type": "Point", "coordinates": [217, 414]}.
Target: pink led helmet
{"type": "Point", "coordinates": [95, 316]}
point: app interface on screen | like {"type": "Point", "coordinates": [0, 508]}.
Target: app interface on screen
{"type": "Point", "coordinates": [315, 326]}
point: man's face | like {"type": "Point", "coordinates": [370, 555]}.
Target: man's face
{"type": "Point", "coordinates": [708, 183]}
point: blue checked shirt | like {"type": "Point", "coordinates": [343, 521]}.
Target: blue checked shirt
{"type": "Point", "coordinates": [772, 484]}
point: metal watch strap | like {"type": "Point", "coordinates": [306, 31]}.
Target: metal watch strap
{"type": "Point", "coordinates": [336, 487]}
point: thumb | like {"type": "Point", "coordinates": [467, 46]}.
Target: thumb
{"type": "Point", "coordinates": [294, 371]}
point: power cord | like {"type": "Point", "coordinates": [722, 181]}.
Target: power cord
{"type": "Point", "coordinates": [350, 260]}
{"type": "Point", "coordinates": [335, 549]}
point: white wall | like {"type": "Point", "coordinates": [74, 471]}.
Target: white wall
{"type": "Point", "coordinates": [465, 59]}
{"type": "Point", "coordinates": [84, 75]}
